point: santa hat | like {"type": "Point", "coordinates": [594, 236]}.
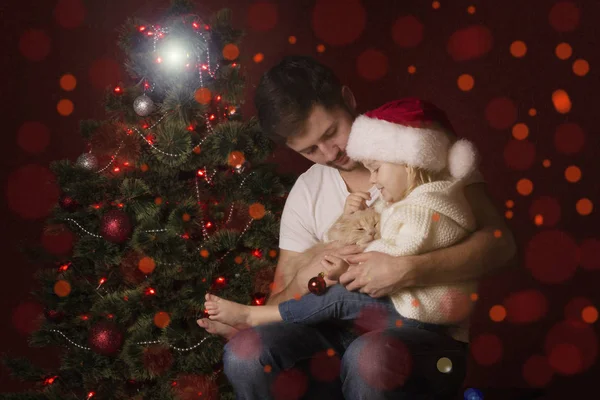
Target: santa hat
{"type": "Point", "coordinates": [410, 131]}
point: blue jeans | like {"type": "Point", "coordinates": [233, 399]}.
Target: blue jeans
{"type": "Point", "coordinates": [337, 303]}
{"type": "Point", "coordinates": [288, 361]}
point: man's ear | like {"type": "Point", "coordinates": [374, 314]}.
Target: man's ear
{"type": "Point", "coordinates": [349, 98]}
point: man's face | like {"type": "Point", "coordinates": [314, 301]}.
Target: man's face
{"type": "Point", "coordinates": [324, 138]}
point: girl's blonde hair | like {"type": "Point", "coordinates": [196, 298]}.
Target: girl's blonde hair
{"type": "Point", "coordinates": [418, 176]}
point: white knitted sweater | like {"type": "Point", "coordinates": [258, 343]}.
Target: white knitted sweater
{"type": "Point", "coordinates": [434, 215]}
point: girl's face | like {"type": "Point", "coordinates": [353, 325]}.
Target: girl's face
{"type": "Point", "coordinates": [391, 179]}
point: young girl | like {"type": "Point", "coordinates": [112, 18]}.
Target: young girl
{"type": "Point", "coordinates": [420, 175]}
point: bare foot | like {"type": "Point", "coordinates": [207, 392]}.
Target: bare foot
{"type": "Point", "coordinates": [227, 312]}
{"type": "Point", "coordinates": [217, 328]}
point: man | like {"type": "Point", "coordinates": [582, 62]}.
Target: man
{"type": "Point", "coordinates": [302, 104]}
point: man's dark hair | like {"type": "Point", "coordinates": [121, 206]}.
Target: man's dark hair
{"type": "Point", "coordinates": [288, 92]}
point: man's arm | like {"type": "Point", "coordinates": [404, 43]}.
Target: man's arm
{"type": "Point", "coordinates": [489, 249]}
{"type": "Point", "coordinates": [294, 270]}
{"type": "Point", "coordinates": [284, 281]}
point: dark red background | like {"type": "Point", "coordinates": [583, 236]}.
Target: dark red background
{"type": "Point", "coordinates": [371, 45]}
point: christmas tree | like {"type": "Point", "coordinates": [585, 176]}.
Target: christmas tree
{"type": "Point", "coordinates": [171, 200]}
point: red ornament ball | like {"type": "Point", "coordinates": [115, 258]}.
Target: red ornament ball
{"type": "Point", "coordinates": [317, 285]}
{"type": "Point", "coordinates": [115, 226]}
{"type": "Point", "coordinates": [68, 203]}
{"type": "Point", "coordinates": [105, 338]}
{"type": "Point", "coordinates": [157, 359]}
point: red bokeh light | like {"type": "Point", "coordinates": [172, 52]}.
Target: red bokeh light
{"type": "Point", "coordinates": [104, 72]}
{"type": "Point", "coordinates": [69, 13]}
{"type": "Point", "coordinates": [537, 371]}
{"type": "Point", "coordinates": [501, 113]}
{"type": "Point", "coordinates": [372, 65]}
{"type": "Point", "coordinates": [35, 45]}
{"type": "Point", "coordinates": [33, 137]}
{"type": "Point", "coordinates": [325, 367]}
{"type": "Point", "coordinates": [470, 43]}
{"type": "Point", "coordinates": [384, 362]}
{"type": "Point", "coordinates": [526, 306]}
{"type": "Point", "coordinates": [564, 16]}
{"type": "Point", "coordinates": [26, 317]}
{"type": "Point", "coordinates": [552, 256]}
{"type": "Point", "coordinates": [407, 31]}
{"type": "Point", "coordinates": [246, 344]}
{"type": "Point", "coordinates": [262, 16]}
{"type": "Point", "coordinates": [569, 138]}
{"type": "Point", "coordinates": [571, 347]}
{"type": "Point", "coordinates": [327, 14]}
{"type": "Point", "coordinates": [575, 307]}
{"type": "Point", "coordinates": [519, 154]}
{"type": "Point", "coordinates": [289, 384]}
{"type": "Point", "coordinates": [31, 191]}
{"type": "Point", "coordinates": [486, 349]}
{"type": "Point", "coordinates": [548, 208]}
{"type": "Point", "coordinates": [590, 254]}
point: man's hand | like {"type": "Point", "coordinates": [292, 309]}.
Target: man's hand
{"type": "Point", "coordinates": [356, 201]}
{"type": "Point", "coordinates": [318, 263]}
{"type": "Point", "coordinates": [334, 267]}
{"type": "Point", "coordinates": [378, 274]}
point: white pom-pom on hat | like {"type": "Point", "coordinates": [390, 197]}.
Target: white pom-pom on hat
{"type": "Point", "coordinates": [462, 159]}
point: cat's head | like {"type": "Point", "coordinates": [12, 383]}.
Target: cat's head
{"type": "Point", "coordinates": [358, 228]}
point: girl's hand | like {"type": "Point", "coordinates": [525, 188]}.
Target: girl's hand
{"type": "Point", "coordinates": [356, 201]}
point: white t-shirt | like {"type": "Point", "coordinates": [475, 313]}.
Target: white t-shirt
{"type": "Point", "coordinates": [314, 204]}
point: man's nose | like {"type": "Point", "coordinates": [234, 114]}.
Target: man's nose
{"type": "Point", "coordinates": [330, 152]}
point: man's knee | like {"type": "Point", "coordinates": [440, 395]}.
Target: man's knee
{"type": "Point", "coordinates": [380, 361]}
{"type": "Point", "coordinates": [242, 354]}
{"type": "Point", "coordinates": [251, 350]}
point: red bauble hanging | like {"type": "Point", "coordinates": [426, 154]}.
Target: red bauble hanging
{"type": "Point", "coordinates": [68, 203]}
{"type": "Point", "coordinates": [317, 284]}
{"type": "Point", "coordinates": [157, 359]}
{"type": "Point", "coordinates": [115, 226]}
{"type": "Point", "coordinates": [105, 338]}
